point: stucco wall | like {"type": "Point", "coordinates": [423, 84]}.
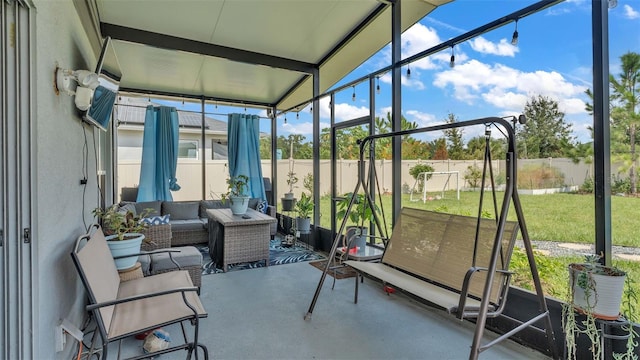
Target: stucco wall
{"type": "Point", "coordinates": [61, 203]}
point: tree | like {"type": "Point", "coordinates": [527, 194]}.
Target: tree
{"type": "Point", "coordinates": [625, 118]}
{"type": "Point", "coordinates": [476, 146]}
{"type": "Point", "coordinates": [545, 134]}
{"type": "Point", "coordinates": [454, 139]}
{"type": "Point", "coordinates": [439, 147]}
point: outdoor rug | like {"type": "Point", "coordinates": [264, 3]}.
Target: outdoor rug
{"type": "Point", "coordinates": [340, 272]}
{"type": "Point", "coordinates": [278, 255]}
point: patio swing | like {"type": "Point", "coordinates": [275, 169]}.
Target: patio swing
{"type": "Point", "coordinates": [438, 272]}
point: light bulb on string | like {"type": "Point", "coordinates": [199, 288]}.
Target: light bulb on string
{"type": "Point", "coordinates": [378, 85]}
{"type": "Point", "coordinates": [452, 62]}
{"type": "Point", "coordinates": [353, 97]}
{"type": "Point", "coordinates": [514, 38]}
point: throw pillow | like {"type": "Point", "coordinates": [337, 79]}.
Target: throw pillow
{"type": "Point", "coordinates": [156, 220]}
{"type": "Point", "coordinates": [262, 206]}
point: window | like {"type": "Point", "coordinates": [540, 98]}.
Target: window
{"type": "Point", "coordinates": [188, 149]}
{"type": "Point", "coordinates": [219, 150]}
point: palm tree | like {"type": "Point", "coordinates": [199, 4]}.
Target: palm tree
{"type": "Point", "coordinates": [624, 111]}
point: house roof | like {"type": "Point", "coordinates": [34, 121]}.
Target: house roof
{"type": "Point", "coordinates": [245, 51]}
{"type": "Point", "coordinates": [131, 111]}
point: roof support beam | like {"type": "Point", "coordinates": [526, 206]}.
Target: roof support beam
{"type": "Point", "coordinates": [197, 47]}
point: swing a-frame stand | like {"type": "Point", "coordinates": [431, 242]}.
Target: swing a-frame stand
{"type": "Point", "coordinates": [480, 290]}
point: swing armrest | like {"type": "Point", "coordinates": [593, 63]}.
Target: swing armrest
{"type": "Point", "coordinates": [464, 291]}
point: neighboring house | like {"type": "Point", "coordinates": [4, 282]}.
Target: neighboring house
{"type": "Point", "coordinates": [130, 114]}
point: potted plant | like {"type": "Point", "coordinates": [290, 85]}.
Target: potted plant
{"type": "Point", "coordinates": [596, 288]}
{"type": "Point", "coordinates": [361, 212]}
{"type": "Point", "coordinates": [288, 201]}
{"type": "Point", "coordinates": [304, 208]}
{"type": "Point", "coordinates": [237, 194]}
{"type": "Point", "coordinates": [595, 294]}
{"type": "Point", "coordinates": [122, 229]}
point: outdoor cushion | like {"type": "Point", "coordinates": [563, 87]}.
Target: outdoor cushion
{"type": "Point", "coordinates": [193, 224]}
{"type": "Point", "coordinates": [154, 205]}
{"type": "Point", "coordinates": [181, 210]}
{"type": "Point", "coordinates": [188, 256]}
{"type": "Point", "coordinates": [211, 204]}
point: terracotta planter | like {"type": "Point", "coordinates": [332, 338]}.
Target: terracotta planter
{"type": "Point", "coordinates": [130, 245]}
{"type": "Point", "coordinates": [599, 293]}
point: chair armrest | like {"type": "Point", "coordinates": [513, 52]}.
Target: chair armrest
{"type": "Point", "coordinates": [182, 290]}
{"type": "Point", "coordinates": [271, 210]}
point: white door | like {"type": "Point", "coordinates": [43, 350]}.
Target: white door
{"type": "Point", "coordinates": [15, 182]}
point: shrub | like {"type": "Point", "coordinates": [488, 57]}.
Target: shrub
{"type": "Point", "coordinates": [417, 170]}
{"type": "Point", "coordinates": [307, 182]}
{"type": "Point", "coordinates": [620, 185]}
{"type": "Point", "coordinates": [472, 176]}
{"type": "Point", "coordinates": [587, 186]}
{"type": "Point", "coordinates": [540, 177]}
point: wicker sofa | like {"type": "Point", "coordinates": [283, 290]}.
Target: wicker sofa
{"type": "Point", "coordinates": [188, 219]}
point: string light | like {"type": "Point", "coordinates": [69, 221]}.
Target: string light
{"type": "Point", "coordinates": [285, 119]}
{"type": "Point", "coordinates": [353, 97]}
{"type": "Point", "coordinates": [298, 115]}
{"type": "Point", "coordinates": [514, 38]}
{"type": "Point", "coordinates": [408, 71]}
{"type": "Point", "coordinates": [452, 62]}
{"type": "Point", "coordinates": [378, 85]}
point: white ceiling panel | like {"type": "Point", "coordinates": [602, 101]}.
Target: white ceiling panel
{"type": "Point", "coordinates": [214, 48]}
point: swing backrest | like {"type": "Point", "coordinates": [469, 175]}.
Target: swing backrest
{"type": "Point", "coordinates": [439, 248]}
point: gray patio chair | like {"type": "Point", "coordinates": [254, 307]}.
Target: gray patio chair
{"type": "Point", "coordinates": [124, 308]}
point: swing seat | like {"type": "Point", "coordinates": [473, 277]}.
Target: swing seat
{"type": "Point", "coordinates": [435, 256]}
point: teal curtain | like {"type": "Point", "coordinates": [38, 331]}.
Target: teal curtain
{"type": "Point", "coordinates": [159, 154]}
{"type": "Point", "coordinates": [244, 151]}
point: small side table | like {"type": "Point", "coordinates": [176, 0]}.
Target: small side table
{"type": "Point", "coordinates": [131, 273]}
{"type": "Point", "coordinates": [370, 254]}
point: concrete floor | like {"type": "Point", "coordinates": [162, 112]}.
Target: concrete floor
{"type": "Point", "coordinates": [258, 314]}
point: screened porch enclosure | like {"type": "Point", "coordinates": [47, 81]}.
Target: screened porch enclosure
{"type": "Point", "coordinates": [295, 86]}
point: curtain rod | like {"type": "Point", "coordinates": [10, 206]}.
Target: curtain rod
{"type": "Point", "coordinates": [188, 111]}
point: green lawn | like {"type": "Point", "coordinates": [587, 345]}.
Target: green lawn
{"type": "Point", "coordinates": [552, 217]}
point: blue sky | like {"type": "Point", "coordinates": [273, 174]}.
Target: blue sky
{"type": "Point", "coordinates": [491, 77]}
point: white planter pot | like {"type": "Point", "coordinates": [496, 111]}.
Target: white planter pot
{"type": "Point", "coordinates": [130, 245]}
{"type": "Point", "coordinates": [238, 204]}
{"type": "Point", "coordinates": [303, 225]}
{"type": "Point", "coordinates": [604, 294]}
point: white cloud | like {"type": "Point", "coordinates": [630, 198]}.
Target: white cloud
{"type": "Point", "coordinates": [502, 48]}
{"type": "Point", "coordinates": [630, 13]}
{"type": "Point", "coordinates": [410, 82]}
{"type": "Point", "coordinates": [418, 38]}
{"type": "Point", "coordinates": [508, 88]}
{"type": "Point", "coordinates": [343, 111]}
{"type": "Point", "coordinates": [423, 119]}
{"type": "Point", "coordinates": [304, 128]}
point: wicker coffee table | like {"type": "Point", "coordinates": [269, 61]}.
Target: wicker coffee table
{"type": "Point", "coordinates": [236, 238]}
